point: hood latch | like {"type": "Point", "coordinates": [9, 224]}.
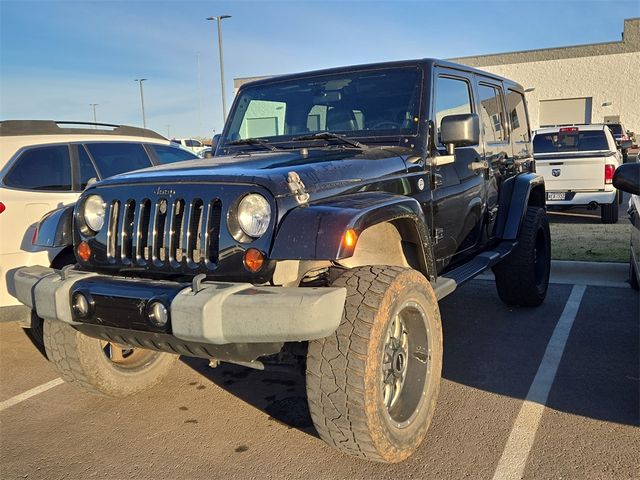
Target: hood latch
{"type": "Point", "coordinates": [297, 188]}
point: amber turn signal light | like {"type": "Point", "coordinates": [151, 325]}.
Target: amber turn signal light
{"type": "Point", "coordinates": [350, 238]}
{"type": "Point", "coordinates": [253, 260]}
{"type": "Point", "coordinates": [84, 251]}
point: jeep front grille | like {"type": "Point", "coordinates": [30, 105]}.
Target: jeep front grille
{"type": "Point", "coordinates": [164, 232]}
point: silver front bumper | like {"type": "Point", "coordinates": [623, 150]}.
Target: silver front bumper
{"type": "Point", "coordinates": [219, 313]}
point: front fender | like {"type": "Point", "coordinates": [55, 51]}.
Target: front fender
{"type": "Point", "coordinates": [315, 232]}
{"type": "Point", "coordinates": [55, 229]}
{"type": "Point", "coordinates": [516, 194]}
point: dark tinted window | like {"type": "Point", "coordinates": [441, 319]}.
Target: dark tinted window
{"type": "Point", "coordinates": [114, 158]}
{"type": "Point", "coordinates": [615, 128]}
{"type": "Point", "coordinates": [452, 98]}
{"type": "Point", "coordinates": [491, 114]}
{"type": "Point", "coordinates": [192, 143]}
{"type": "Point", "coordinates": [518, 116]}
{"type": "Point", "coordinates": [168, 154]}
{"type": "Point", "coordinates": [570, 140]}
{"type": "Point", "coordinates": [87, 170]}
{"type": "Point", "coordinates": [45, 168]}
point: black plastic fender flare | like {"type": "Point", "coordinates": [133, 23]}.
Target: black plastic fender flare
{"type": "Point", "coordinates": [516, 194]}
{"type": "Point", "coordinates": [316, 231]}
{"type": "Point", "coordinates": [55, 229]}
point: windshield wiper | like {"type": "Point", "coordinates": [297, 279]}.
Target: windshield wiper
{"type": "Point", "coordinates": [254, 141]}
{"type": "Point", "coordinates": [332, 136]}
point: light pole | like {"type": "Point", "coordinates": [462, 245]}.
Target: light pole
{"type": "Point", "coordinates": [144, 118]}
{"type": "Point", "coordinates": [94, 105]}
{"type": "Point", "coordinates": [224, 99]}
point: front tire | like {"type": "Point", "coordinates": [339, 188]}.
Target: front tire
{"type": "Point", "coordinates": [102, 367]}
{"type": "Point", "coordinates": [522, 279]}
{"type": "Point", "coordinates": [372, 385]}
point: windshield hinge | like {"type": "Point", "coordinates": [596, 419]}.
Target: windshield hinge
{"type": "Point", "coordinates": [438, 234]}
{"type": "Point", "coordinates": [297, 188]}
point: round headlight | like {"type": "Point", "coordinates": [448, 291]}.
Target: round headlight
{"type": "Point", "coordinates": [93, 212]}
{"type": "Point", "coordinates": [254, 215]}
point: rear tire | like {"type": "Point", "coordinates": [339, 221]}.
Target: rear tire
{"type": "Point", "coordinates": [83, 361]}
{"type": "Point", "coordinates": [372, 385]}
{"type": "Point", "coordinates": [633, 275]}
{"type": "Point", "coordinates": [522, 279]}
{"type": "Point", "coordinates": [609, 212]}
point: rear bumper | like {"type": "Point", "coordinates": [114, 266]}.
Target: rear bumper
{"type": "Point", "coordinates": [583, 198]}
{"type": "Point", "coordinates": [219, 313]}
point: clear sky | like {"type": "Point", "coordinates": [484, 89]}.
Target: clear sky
{"type": "Point", "coordinates": [58, 56]}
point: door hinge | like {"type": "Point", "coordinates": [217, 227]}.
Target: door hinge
{"type": "Point", "coordinates": [438, 234]}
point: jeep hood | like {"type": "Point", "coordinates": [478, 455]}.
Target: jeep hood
{"type": "Point", "coordinates": [319, 169]}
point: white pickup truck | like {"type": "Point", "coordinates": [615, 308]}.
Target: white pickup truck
{"type": "Point", "coordinates": [190, 144]}
{"type": "Point", "coordinates": [578, 163]}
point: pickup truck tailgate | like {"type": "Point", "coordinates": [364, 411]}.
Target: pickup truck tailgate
{"type": "Point", "coordinates": [564, 172]}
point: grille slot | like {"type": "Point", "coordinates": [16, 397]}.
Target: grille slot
{"type": "Point", "coordinates": [174, 233]}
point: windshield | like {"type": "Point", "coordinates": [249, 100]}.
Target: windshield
{"type": "Point", "coordinates": [571, 140]}
{"type": "Point", "coordinates": [361, 104]}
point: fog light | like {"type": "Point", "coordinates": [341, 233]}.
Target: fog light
{"type": "Point", "coordinates": [158, 314]}
{"type": "Point", "coordinates": [84, 251]}
{"type": "Point", "coordinates": [253, 260]}
{"type": "Point", "coordinates": [80, 305]}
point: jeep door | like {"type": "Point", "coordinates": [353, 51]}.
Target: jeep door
{"type": "Point", "coordinates": [458, 196]}
{"type": "Point", "coordinates": [494, 136]}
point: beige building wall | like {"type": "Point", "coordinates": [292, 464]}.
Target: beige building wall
{"type": "Point", "coordinates": [606, 79]}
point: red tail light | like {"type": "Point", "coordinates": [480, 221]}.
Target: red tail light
{"type": "Point", "coordinates": [568, 129]}
{"type": "Point", "coordinates": [608, 173]}
{"type": "Point", "coordinates": [34, 236]}
{"type": "Point", "coordinates": [2, 207]}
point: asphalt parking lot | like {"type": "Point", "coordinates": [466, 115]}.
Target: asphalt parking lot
{"type": "Point", "coordinates": [233, 422]}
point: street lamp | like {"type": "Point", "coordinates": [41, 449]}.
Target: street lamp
{"type": "Point", "coordinates": [94, 105]}
{"type": "Point", "coordinates": [224, 99]}
{"type": "Point", "coordinates": [144, 118]}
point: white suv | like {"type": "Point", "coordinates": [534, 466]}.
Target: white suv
{"type": "Point", "coordinates": [578, 163]}
{"type": "Point", "coordinates": [46, 164]}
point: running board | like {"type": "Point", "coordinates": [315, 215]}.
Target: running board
{"type": "Point", "coordinates": [447, 283]}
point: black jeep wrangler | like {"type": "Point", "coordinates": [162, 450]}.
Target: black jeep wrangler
{"type": "Point", "coordinates": [340, 206]}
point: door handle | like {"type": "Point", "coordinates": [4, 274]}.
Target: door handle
{"type": "Point", "coordinates": [481, 165]}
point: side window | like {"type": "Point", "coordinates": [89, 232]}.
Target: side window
{"type": "Point", "coordinates": [87, 170]}
{"type": "Point", "coordinates": [518, 117]}
{"type": "Point", "coordinates": [113, 158]}
{"type": "Point", "coordinates": [263, 118]}
{"type": "Point", "coordinates": [167, 154]}
{"type": "Point", "coordinates": [452, 97]}
{"type": "Point", "coordinates": [491, 114]}
{"type": "Point", "coordinates": [44, 168]}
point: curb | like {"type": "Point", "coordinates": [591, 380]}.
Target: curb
{"type": "Point", "coordinates": [598, 274]}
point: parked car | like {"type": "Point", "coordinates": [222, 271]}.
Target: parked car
{"type": "Point", "coordinates": [627, 179]}
{"type": "Point", "coordinates": [195, 146]}
{"type": "Point", "coordinates": [341, 206]}
{"type": "Point", "coordinates": [578, 164]}
{"type": "Point", "coordinates": [622, 137]}
{"type": "Point", "coordinates": [46, 164]}
{"type": "Point", "coordinates": [206, 152]}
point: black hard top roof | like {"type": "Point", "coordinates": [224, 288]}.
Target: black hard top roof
{"type": "Point", "coordinates": [424, 62]}
{"type": "Point", "coordinates": [10, 128]}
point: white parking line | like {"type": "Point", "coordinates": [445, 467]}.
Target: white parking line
{"type": "Point", "coordinates": [516, 452]}
{"type": "Point", "coordinates": [29, 393]}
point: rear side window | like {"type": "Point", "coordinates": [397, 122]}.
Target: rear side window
{"type": "Point", "coordinates": [518, 116]}
{"type": "Point", "coordinates": [192, 143]}
{"type": "Point", "coordinates": [491, 114]}
{"type": "Point", "coordinates": [44, 168]}
{"type": "Point", "coordinates": [570, 140]}
{"type": "Point", "coordinates": [452, 98]}
{"type": "Point", "coordinates": [615, 128]}
{"type": "Point", "coordinates": [115, 158]}
{"type": "Point", "coordinates": [168, 154]}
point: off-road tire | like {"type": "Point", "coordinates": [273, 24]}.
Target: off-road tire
{"type": "Point", "coordinates": [522, 279]}
{"type": "Point", "coordinates": [633, 275]}
{"type": "Point", "coordinates": [609, 211]}
{"type": "Point", "coordinates": [80, 360]}
{"type": "Point", "coordinates": [345, 370]}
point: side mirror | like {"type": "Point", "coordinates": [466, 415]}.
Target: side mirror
{"type": "Point", "coordinates": [627, 178]}
{"type": "Point", "coordinates": [214, 142]}
{"type": "Point", "coordinates": [460, 131]}
{"type": "Point", "coordinates": [625, 144]}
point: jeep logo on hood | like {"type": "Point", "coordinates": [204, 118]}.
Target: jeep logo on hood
{"type": "Point", "coordinates": [168, 192]}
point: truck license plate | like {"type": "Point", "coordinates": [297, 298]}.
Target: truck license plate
{"type": "Point", "coordinates": [556, 195]}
